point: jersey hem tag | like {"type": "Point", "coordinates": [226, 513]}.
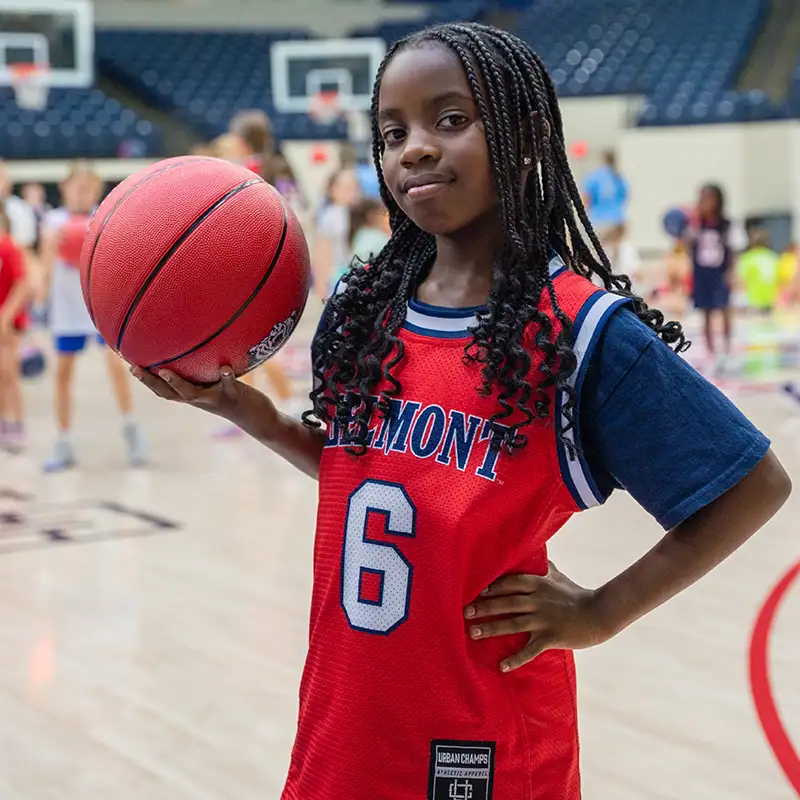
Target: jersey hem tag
{"type": "Point", "coordinates": [461, 770]}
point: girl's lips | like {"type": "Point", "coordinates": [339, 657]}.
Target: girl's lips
{"type": "Point", "coordinates": [425, 191]}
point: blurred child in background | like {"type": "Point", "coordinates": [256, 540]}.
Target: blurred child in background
{"type": "Point", "coordinates": [260, 152]}
{"type": "Point", "coordinates": [788, 273]}
{"type": "Point", "coordinates": [70, 324]}
{"type": "Point", "coordinates": [369, 229]}
{"type": "Point", "coordinates": [621, 252]}
{"type": "Point", "coordinates": [331, 256]}
{"type": "Point", "coordinates": [14, 295]}
{"type": "Point", "coordinates": [674, 291]}
{"type": "Point", "coordinates": [758, 270]}
{"type": "Point", "coordinates": [712, 246]}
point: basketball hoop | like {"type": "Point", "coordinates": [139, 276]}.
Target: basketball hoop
{"type": "Point", "coordinates": [31, 86]}
{"type": "Point", "coordinates": [325, 108]}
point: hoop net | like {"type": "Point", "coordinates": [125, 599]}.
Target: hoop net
{"type": "Point", "coordinates": [325, 108]}
{"type": "Point", "coordinates": [31, 85]}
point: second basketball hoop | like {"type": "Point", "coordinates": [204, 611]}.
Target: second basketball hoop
{"type": "Point", "coordinates": [325, 107]}
{"type": "Point", "coordinates": [31, 85]}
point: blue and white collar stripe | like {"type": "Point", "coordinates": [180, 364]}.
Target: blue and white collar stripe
{"type": "Point", "coordinates": [453, 323]}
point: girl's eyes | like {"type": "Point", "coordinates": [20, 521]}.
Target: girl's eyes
{"type": "Point", "coordinates": [392, 136]}
{"type": "Point", "coordinates": [454, 120]}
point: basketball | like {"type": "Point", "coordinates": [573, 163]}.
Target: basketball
{"type": "Point", "coordinates": [71, 238]}
{"type": "Point", "coordinates": [675, 222]}
{"type": "Point", "coordinates": [194, 263]}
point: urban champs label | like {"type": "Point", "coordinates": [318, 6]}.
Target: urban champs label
{"type": "Point", "coordinates": [461, 770]}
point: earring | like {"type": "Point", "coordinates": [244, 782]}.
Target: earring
{"type": "Point", "coordinates": [527, 161]}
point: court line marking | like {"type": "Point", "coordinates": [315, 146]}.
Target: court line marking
{"type": "Point", "coordinates": [761, 685]}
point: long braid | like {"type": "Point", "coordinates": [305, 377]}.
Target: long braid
{"type": "Point", "coordinates": [359, 349]}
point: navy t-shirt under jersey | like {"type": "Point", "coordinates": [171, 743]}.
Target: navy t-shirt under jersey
{"type": "Point", "coordinates": [652, 425]}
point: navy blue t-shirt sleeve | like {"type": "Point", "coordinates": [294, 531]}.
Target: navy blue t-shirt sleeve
{"type": "Point", "coordinates": [650, 424]}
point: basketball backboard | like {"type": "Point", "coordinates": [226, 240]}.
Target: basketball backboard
{"type": "Point", "coordinates": [55, 35]}
{"type": "Point", "coordinates": [303, 69]}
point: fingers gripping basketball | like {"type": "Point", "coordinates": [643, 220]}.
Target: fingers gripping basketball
{"type": "Point", "coordinates": [195, 263]}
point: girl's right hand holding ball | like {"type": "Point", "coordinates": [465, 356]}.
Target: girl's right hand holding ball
{"type": "Point", "coordinates": [228, 398]}
{"type": "Point", "coordinates": [246, 407]}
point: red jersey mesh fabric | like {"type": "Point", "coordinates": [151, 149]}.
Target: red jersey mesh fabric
{"type": "Point", "coordinates": [397, 702]}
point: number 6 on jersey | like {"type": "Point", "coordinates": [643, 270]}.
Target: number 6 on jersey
{"type": "Point", "coordinates": [363, 557]}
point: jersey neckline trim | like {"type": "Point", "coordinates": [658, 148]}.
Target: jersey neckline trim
{"type": "Point", "coordinates": [440, 322]}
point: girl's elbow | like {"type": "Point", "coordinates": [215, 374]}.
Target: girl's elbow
{"type": "Point", "coordinates": [777, 484]}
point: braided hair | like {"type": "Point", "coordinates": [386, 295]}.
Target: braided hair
{"type": "Point", "coordinates": [358, 347]}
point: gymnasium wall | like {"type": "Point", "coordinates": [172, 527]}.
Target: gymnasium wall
{"type": "Point", "coordinates": [757, 163]}
{"type": "Point", "coordinates": [323, 17]}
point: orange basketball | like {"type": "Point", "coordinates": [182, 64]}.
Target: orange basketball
{"type": "Point", "coordinates": [70, 239]}
{"type": "Point", "coordinates": [194, 263]}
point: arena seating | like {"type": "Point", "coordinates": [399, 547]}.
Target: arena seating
{"type": "Point", "coordinates": [77, 122]}
{"type": "Point", "coordinates": [684, 56]}
{"type": "Point", "coordinates": [203, 78]}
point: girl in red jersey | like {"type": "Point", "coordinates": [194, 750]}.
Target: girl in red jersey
{"type": "Point", "coordinates": [14, 293]}
{"type": "Point", "coordinates": [478, 389]}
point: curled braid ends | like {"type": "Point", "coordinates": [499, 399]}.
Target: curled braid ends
{"type": "Point", "coordinates": [540, 209]}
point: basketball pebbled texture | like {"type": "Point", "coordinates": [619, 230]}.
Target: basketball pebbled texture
{"type": "Point", "coordinates": [194, 263]}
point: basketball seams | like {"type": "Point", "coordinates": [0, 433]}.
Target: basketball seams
{"type": "Point", "coordinates": [108, 216]}
{"type": "Point", "coordinates": [174, 247]}
{"type": "Point", "coordinates": [259, 286]}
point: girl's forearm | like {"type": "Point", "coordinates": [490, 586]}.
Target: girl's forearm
{"type": "Point", "coordinates": [686, 553]}
{"type": "Point", "coordinates": [289, 438]}
{"type": "Point", "coordinates": [300, 446]}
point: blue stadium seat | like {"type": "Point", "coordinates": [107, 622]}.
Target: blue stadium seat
{"type": "Point", "coordinates": [76, 123]}
{"type": "Point", "coordinates": [684, 55]}
{"type": "Point", "coordinates": [203, 77]}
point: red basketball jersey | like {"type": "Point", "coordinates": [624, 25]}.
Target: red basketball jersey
{"type": "Point", "coordinates": [396, 701]}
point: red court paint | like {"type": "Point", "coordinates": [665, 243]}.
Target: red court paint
{"type": "Point", "coordinates": [761, 687]}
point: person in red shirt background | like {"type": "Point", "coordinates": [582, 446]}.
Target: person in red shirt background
{"type": "Point", "coordinates": [13, 321]}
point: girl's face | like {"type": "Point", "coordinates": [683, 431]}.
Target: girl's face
{"type": "Point", "coordinates": [230, 147]}
{"type": "Point", "coordinates": [435, 161]}
{"type": "Point", "coordinates": [33, 194]}
{"type": "Point", "coordinates": [708, 205]}
{"type": "Point", "coordinates": [345, 189]}
{"type": "Point", "coordinates": [81, 192]}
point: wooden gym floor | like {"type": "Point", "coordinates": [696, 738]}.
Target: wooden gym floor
{"type": "Point", "coordinates": [153, 624]}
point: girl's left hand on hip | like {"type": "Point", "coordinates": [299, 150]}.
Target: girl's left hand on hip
{"type": "Point", "coordinates": [557, 612]}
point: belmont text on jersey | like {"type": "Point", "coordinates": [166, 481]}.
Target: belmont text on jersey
{"type": "Point", "coordinates": [449, 437]}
